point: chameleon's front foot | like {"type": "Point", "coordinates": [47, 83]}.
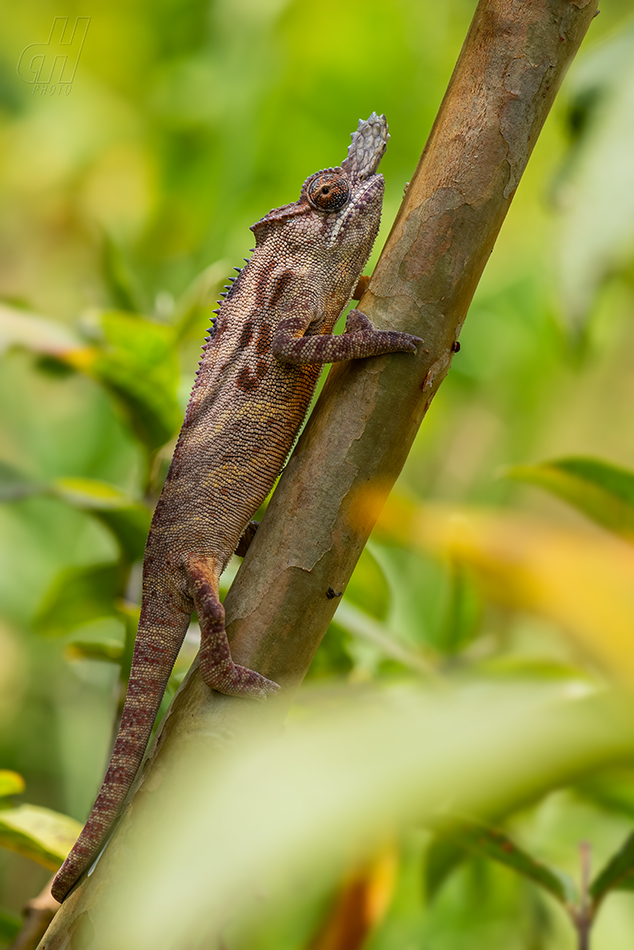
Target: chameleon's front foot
{"type": "Point", "coordinates": [385, 341]}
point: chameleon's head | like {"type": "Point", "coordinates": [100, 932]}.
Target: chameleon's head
{"type": "Point", "coordinates": [338, 213]}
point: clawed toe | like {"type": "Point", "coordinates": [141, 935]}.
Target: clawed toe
{"type": "Point", "coordinates": [267, 688]}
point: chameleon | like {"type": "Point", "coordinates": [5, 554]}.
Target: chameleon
{"type": "Point", "coordinates": [259, 367]}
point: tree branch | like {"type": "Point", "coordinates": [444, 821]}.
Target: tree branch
{"type": "Point", "coordinates": [358, 437]}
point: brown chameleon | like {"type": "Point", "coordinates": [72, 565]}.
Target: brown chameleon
{"type": "Point", "coordinates": [258, 372]}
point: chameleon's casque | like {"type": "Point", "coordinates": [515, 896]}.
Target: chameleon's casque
{"type": "Point", "coordinates": [258, 371]}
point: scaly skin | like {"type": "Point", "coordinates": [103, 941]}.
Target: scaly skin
{"type": "Point", "coordinates": [257, 375]}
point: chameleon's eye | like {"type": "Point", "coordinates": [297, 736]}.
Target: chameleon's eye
{"type": "Point", "coordinates": [329, 192]}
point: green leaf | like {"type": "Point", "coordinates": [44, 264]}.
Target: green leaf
{"type": "Point", "coordinates": [106, 650]}
{"type": "Point", "coordinates": [494, 844]}
{"type": "Point", "coordinates": [602, 491]}
{"type": "Point", "coordinates": [10, 783]}
{"type": "Point", "coordinates": [91, 494]}
{"type": "Point", "coordinates": [617, 875]}
{"type": "Point", "coordinates": [329, 791]}
{"type": "Point", "coordinates": [77, 596]}
{"type": "Point", "coordinates": [418, 588]}
{"type": "Point", "coordinates": [38, 833]}
{"type": "Point", "coordinates": [136, 361]}
{"type": "Point", "coordinates": [524, 667]}
{"type": "Point", "coordinates": [195, 304]}
{"type": "Point", "coordinates": [360, 624]}
{"type": "Point", "coordinates": [38, 334]}
{"type": "Point", "coordinates": [128, 520]}
{"type": "Point", "coordinates": [130, 526]}
{"type": "Point", "coordinates": [10, 926]}
{"type": "Point", "coordinates": [120, 279]}
{"type": "Point", "coordinates": [14, 484]}
{"type": "Point", "coordinates": [442, 858]}
{"type": "Point", "coordinates": [612, 790]}
{"type": "Point", "coordinates": [596, 213]}
{"type": "Point", "coordinates": [132, 357]}
{"type": "Point", "coordinates": [568, 576]}
{"type": "Point", "coordinates": [464, 613]}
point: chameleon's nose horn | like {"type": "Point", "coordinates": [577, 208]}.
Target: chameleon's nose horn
{"type": "Point", "coordinates": [367, 147]}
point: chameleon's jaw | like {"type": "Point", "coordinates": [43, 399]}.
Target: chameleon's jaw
{"type": "Point", "coordinates": [363, 198]}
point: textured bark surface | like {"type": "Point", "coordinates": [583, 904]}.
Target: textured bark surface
{"type": "Point", "coordinates": [357, 439]}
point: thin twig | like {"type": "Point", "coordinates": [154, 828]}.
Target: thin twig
{"type": "Point", "coordinates": [583, 916]}
{"type": "Point", "coordinates": [37, 914]}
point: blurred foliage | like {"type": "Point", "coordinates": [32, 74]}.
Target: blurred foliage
{"type": "Point", "coordinates": [343, 783]}
{"type": "Point", "coordinates": [601, 491]}
{"type": "Point", "coordinates": [126, 200]}
{"type": "Point", "coordinates": [38, 833]}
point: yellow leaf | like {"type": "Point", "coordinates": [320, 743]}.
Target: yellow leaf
{"type": "Point", "coordinates": [10, 783]}
{"type": "Point", "coordinates": [584, 581]}
{"type": "Point", "coordinates": [38, 833]}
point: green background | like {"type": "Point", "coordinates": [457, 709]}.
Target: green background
{"type": "Point", "coordinates": [187, 121]}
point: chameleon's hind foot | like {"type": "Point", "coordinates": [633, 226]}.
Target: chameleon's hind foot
{"type": "Point", "coordinates": [234, 680]}
{"type": "Point", "coordinates": [216, 665]}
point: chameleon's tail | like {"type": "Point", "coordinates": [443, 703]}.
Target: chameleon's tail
{"type": "Point", "coordinates": [161, 632]}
